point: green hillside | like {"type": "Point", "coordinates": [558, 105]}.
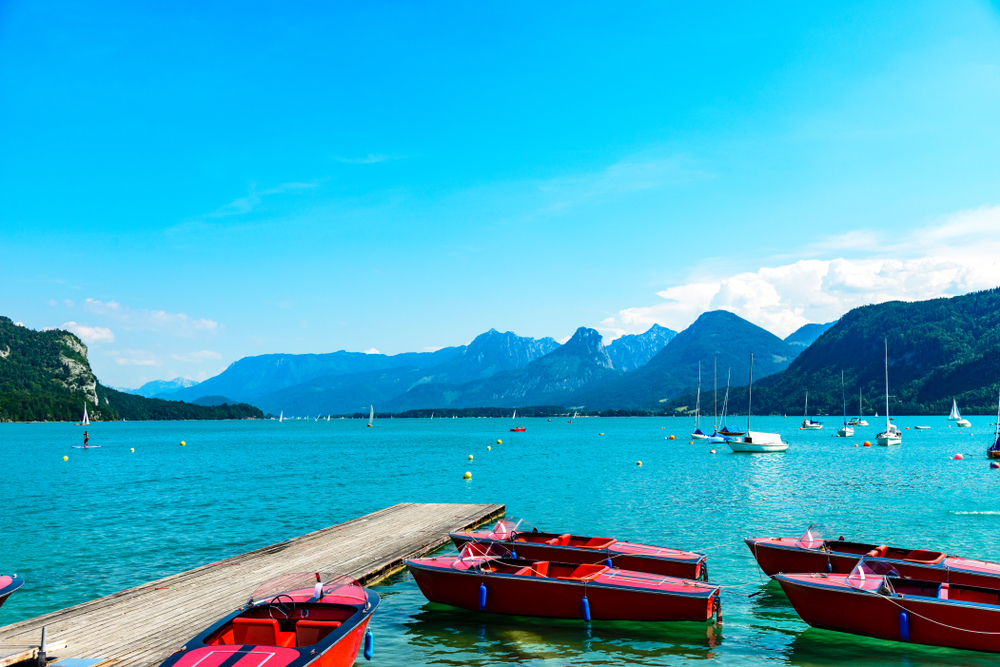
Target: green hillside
{"type": "Point", "coordinates": [938, 350]}
{"type": "Point", "coordinates": [45, 376]}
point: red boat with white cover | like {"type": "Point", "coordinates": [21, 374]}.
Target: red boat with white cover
{"type": "Point", "coordinates": [525, 541]}
{"type": "Point", "coordinates": [813, 553]}
{"type": "Point", "coordinates": [311, 618]}
{"type": "Point", "coordinates": [485, 577]}
{"type": "Point", "coordinates": [8, 584]}
{"type": "Point", "coordinates": [871, 601]}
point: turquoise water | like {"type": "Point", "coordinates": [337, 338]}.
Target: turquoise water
{"type": "Point", "coordinates": [108, 519]}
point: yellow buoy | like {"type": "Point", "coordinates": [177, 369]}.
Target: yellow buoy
{"type": "Point", "coordinates": [600, 434]}
{"type": "Point", "coordinates": [470, 457]}
{"type": "Point", "coordinates": [499, 442]}
{"type": "Point", "coordinates": [488, 448]}
{"type": "Point", "coordinates": [671, 437]}
{"type": "Point", "coordinates": [183, 443]}
{"type": "Point", "coordinates": [467, 475]}
{"type": "Point", "coordinates": [638, 463]}
{"type": "Point", "coordinates": [132, 449]}
{"type": "Point", "coordinates": [65, 458]}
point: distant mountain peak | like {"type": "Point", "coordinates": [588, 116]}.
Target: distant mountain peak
{"type": "Point", "coordinates": [586, 343]}
{"type": "Point", "coordinates": [635, 350]}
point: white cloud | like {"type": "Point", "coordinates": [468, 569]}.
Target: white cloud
{"type": "Point", "coordinates": [18, 324]}
{"type": "Point", "coordinates": [372, 351]}
{"type": "Point", "coordinates": [957, 255]}
{"type": "Point", "coordinates": [203, 355]}
{"type": "Point", "coordinates": [129, 357]}
{"type": "Point", "coordinates": [90, 335]}
{"type": "Point", "coordinates": [177, 324]}
{"type": "Point", "coordinates": [369, 159]}
{"type": "Point", "coordinates": [253, 198]}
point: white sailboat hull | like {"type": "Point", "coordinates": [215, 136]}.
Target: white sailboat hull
{"type": "Point", "coordinates": [846, 432]}
{"type": "Point", "coordinates": [963, 423]}
{"type": "Point", "coordinates": [812, 427]}
{"type": "Point", "coordinates": [756, 442]}
{"type": "Point", "coordinates": [889, 440]}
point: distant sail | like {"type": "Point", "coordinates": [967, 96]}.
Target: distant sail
{"type": "Point", "coordinates": [515, 415]}
{"type": "Point", "coordinates": [371, 415]}
{"type": "Point", "coordinates": [955, 414]}
{"type": "Point", "coordinates": [281, 417]}
{"type": "Point", "coordinates": [86, 420]}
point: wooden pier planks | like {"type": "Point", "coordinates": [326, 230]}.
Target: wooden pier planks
{"type": "Point", "coordinates": [141, 626]}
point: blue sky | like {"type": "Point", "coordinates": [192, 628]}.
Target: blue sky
{"type": "Point", "coordinates": [187, 185]}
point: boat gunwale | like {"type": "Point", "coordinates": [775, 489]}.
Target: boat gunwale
{"type": "Point", "coordinates": [705, 592]}
{"type": "Point", "coordinates": [696, 557]}
{"type": "Point", "coordinates": [787, 577]}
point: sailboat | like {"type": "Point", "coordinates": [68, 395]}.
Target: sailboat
{"type": "Point", "coordinates": [956, 416]}
{"type": "Point", "coordinates": [281, 417]}
{"type": "Point", "coordinates": [86, 420]}
{"type": "Point", "coordinates": [432, 415]}
{"type": "Point", "coordinates": [698, 434]}
{"type": "Point", "coordinates": [891, 435]}
{"type": "Point", "coordinates": [846, 431]}
{"type": "Point", "coordinates": [860, 419]}
{"type": "Point", "coordinates": [371, 416]}
{"type": "Point", "coordinates": [755, 442]}
{"type": "Point", "coordinates": [809, 424]}
{"type": "Point", "coordinates": [993, 451]}
{"type": "Point", "coordinates": [328, 417]}
{"type": "Point", "coordinates": [574, 417]}
{"type": "Point", "coordinates": [725, 430]}
{"type": "Point", "coordinates": [516, 428]}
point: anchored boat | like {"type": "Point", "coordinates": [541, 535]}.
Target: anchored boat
{"type": "Point", "coordinates": [8, 584]}
{"type": "Point", "coordinates": [525, 541]}
{"type": "Point", "coordinates": [755, 442]}
{"type": "Point", "coordinates": [309, 618]}
{"type": "Point", "coordinates": [813, 553]}
{"type": "Point", "coordinates": [872, 601]}
{"type": "Point", "coordinates": [486, 577]}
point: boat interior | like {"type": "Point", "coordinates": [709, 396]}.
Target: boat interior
{"type": "Point", "coordinates": [305, 626]}
{"type": "Point", "coordinates": [939, 591]}
{"type": "Point", "coordinates": [543, 568]}
{"type": "Point", "coordinates": [882, 551]}
{"type": "Point", "coordinates": [565, 540]}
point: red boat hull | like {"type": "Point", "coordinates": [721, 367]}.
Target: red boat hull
{"type": "Point", "coordinates": [877, 616]}
{"type": "Point", "coordinates": [683, 569]}
{"type": "Point", "coordinates": [553, 598]}
{"type": "Point", "coordinates": [774, 559]}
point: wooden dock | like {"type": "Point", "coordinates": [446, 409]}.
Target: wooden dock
{"type": "Point", "coordinates": [141, 626]}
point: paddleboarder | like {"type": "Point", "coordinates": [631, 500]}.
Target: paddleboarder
{"type": "Point", "coordinates": [86, 439]}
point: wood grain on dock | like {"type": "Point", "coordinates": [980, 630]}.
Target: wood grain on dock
{"type": "Point", "coordinates": [143, 625]}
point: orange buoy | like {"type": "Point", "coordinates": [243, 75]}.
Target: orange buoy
{"type": "Point", "coordinates": [867, 444]}
{"type": "Point", "coordinates": [713, 450]}
{"type": "Point", "coordinates": [959, 457]}
{"type": "Point", "coordinates": [671, 437]}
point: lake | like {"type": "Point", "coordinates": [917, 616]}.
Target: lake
{"type": "Point", "coordinates": [108, 518]}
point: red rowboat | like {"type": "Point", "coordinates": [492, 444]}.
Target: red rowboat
{"type": "Point", "coordinates": [888, 607]}
{"type": "Point", "coordinates": [812, 553]}
{"type": "Point", "coordinates": [518, 428]}
{"type": "Point", "coordinates": [309, 618]}
{"type": "Point", "coordinates": [8, 584]}
{"type": "Point", "coordinates": [484, 577]}
{"type": "Point", "coordinates": [524, 541]}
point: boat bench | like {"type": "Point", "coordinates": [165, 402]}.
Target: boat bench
{"type": "Point", "coordinates": [267, 632]}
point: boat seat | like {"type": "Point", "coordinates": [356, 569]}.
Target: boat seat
{"type": "Point", "coordinates": [563, 540]}
{"type": "Point", "coordinates": [942, 592]}
{"type": "Point", "coordinates": [554, 541]}
{"type": "Point", "coordinates": [540, 569]}
{"type": "Point", "coordinates": [878, 552]}
{"type": "Point", "coordinates": [260, 632]}
{"type": "Point", "coordinates": [309, 632]}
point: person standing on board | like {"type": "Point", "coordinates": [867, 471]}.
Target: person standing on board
{"type": "Point", "coordinates": [86, 439]}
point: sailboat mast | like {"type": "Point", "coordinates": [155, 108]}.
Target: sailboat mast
{"type": "Point", "coordinates": [715, 392]}
{"type": "Point", "coordinates": [843, 396]}
{"type": "Point", "coordinates": [887, 384]}
{"type": "Point", "coordinates": [697, 404]}
{"type": "Point", "coordinates": [750, 399]}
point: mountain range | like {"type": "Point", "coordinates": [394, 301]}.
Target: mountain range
{"type": "Point", "coordinates": [160, 388]}
{"type": "Point", "coordinates": [937, 350]}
